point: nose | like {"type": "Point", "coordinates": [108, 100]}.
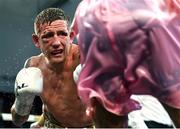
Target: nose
{"type": "Point", "coordinates": [56, 43]}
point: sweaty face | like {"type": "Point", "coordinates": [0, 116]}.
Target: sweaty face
{"type": "Point", "coordinates": [54, 40]}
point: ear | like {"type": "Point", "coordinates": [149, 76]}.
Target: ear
{"type": "Point", "coordinates": [35, 40]}
{"type": "Point", "coordinates": [72, 36]}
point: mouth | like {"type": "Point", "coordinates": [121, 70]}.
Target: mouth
{"type": "Point", "coordinates": [57, 53]}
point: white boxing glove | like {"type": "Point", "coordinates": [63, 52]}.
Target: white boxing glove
{"type": "Point", "coordinates": [28, 84]}
{"type": "Point", "coordinates": [77, 72]}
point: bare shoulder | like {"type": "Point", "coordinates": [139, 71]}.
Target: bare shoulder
{"type": "Point", "coordinates": [75, 49]}
{"type": "Point", "coordinates": [75, 55]}
{"type": "Point", "coordinates": [33, 61]}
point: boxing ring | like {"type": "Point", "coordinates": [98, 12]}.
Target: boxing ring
{"type": "Point", "coordinates": [8, 117]}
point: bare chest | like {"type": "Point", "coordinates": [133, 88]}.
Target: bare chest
{"type": "Point", "coordinates": [58, 88]}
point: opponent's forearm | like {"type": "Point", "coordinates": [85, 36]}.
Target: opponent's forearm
{"type": "Point", "coordinates": [18, 120]}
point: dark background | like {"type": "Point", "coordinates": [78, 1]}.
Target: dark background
{"type": "Point", "coordinates": [16, 28]}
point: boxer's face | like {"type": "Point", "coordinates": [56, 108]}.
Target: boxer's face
{"type": "Point", "coordinates": [54, 40]}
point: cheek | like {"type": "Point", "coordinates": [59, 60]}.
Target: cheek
{"type": "Point", "coordinates": [64, 42]}
{"type": "Point", "coordinates": [44, 48]}
{"type": "Point", "coordinates": [67, 45]}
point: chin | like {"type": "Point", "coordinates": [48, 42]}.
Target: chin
{"type": "Point", "coordinates": [57, 60]}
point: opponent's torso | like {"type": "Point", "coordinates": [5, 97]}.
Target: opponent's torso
{"type": "Point", "coordinates": [59, 96]}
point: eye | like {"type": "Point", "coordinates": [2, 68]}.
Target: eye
{"type": "Point", "coordinates": [47, 35]}
{"type": "Point", "coordinates": [62, 33]}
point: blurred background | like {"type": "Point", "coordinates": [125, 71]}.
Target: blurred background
{"type": "Point", "coordinates": [16, 28]}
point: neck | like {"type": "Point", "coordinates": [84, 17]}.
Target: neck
{"type": "Point", "coordinates": [55, 67]}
